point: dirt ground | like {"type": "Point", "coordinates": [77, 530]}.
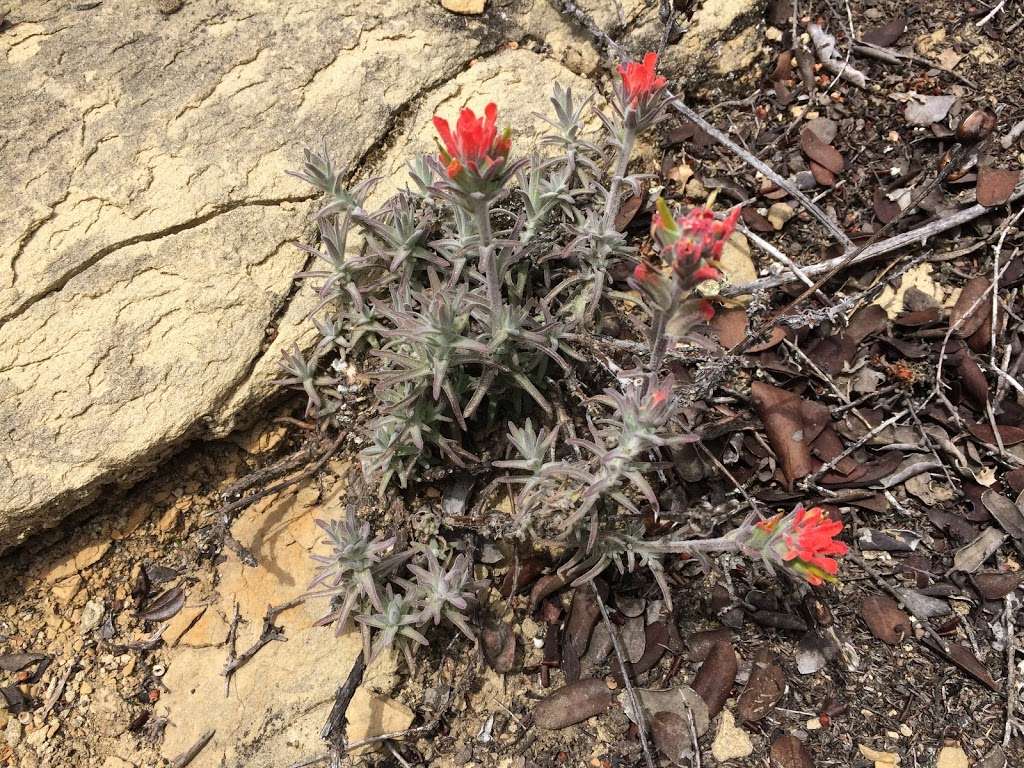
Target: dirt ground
{"type": "Point", "coordinates": [911, 659]}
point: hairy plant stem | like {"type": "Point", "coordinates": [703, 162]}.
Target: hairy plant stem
{"type": "Point", "coordinates": [659, 341]}
{"type": "Point", "coordinates": [611, 209]}
{"type": "Point", "coordinates": [488, 263]}
{"type": "Point", "coordinates": [728, 543]}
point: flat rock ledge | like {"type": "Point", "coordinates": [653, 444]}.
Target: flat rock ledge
{"type": "Point", "coordinates": [147, 247]}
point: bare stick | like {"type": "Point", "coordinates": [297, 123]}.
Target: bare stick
{"type": "Point", "coordinates": [791, 189]}
{"type": "Point", "coordinates": [192, 752]}
{"type": "Point", "coordinates": [58, 690]}
{"type": "Point", "coordinates": [888, 245]}
{"type": "Point", "coordinates": [1012, 135]}
{"type": "Point", "coordinates": [1011, 669]}
{"type": "Point", "coordinates": [634, 702]}
{"type": "Point", "coordinates": [787, 262]}
{"type": "Point", "coordinates": [890, 56]}
{"type": "Point", "coordinates": [334, 729]}
{"type": "Point", "coordinates": [270, 633]}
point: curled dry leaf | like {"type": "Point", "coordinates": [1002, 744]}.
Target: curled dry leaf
{"type": "Point", "coordinates": [164, 606]}
{"type": "Point", "coordinates": [996, 586]}
{"type": "Point", "coordinates": [789, 752]}
{"type": "Point", "coordinates": [885, 619]}
{"type": "Point", "coordinates": [582, 616]}
{"type": "Point", "coordinates": [925, 606]}
{"type": "Point", "coordinates": [656, 641]}
{"type": "Point", "coordinates": [764, 688]}
{"type": "Point", "coordinates": [885, 209]}
{"type": "Point", "coordinates": [976, 126]}
{"type": "Point", "coordinates": [969, 558]}
{"type": "Point", "coordinates": [886, 34]}
{"type": "Point", "coordinates": [15, 662]}
{"type": "Point", "coordinates": [671, 733]}
{"type": "Point", "coordinates": [925, 110]}
{"type": "Point", "coordinates": [716, 676]}
{"type": "Point", "coordinates": [965, 660]}
{"type": "Point", "coordinates": [545, 586]}
{"type": "Point", "coordinates": [599, 649]}
{"type": "Point", "coordinates": [822, 175]}
{"type": "Point", "coordinates": [634, 638]}
{"type": "Point", "coordinates": [681, 700]}
{"type": "Point", "coordinates": [630, 208]}
{"type": "Point", "coordinates": [573, 704]}
{"type": "Point", "coordinates": [730, 324]}
{"type": "Point", "coordinates": [1005, 512]}
{"type": "Point", "coordinates": [1009, 435]}
{"type": "Point", "coordinates": [699, 644]}
{"type": "Point", "coordinates": [973, 380]}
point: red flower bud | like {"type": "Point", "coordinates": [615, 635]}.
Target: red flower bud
{"type": "Point", "coordinates": [707, 311]}
{"type": "Point", "coordinates": [475, 143]}
{"type": "Point", "coordinates": [706, 273]}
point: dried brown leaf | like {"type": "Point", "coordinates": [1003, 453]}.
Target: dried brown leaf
{"type": "Point", "coordinates": [764, 688]}
{"type": "Point", "coordinates": [716, 676]}
{"type": "Point", "coordinates": [1005, 512]}
{"type": "Point", "coordinates": [789, 752]}
{"type": "Point", "coordinates": [499, 646]}
{"type": "Point", "coordinates": [972, 291]}
{"type": "Point", "coordinates": [969, 558]}
{"type": "Point", "coordinates": [885, 619]}
{"type": "Point", "coordinates": [995, 185]}
{"type": "Point", "coordinates": [821, 153]}
{"type": "Point", "coordinates": [780, 412]}
{"type": "Point", "coordinates": [886, 34]}
{"type": "Point", "coordinates": [164, 606]}
{"type": "Point", "coordinates": [966, 661]}
{"type": "Point", "coordinates": [573, 704]}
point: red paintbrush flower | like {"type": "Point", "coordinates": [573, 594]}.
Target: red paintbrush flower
{"type": "Point", "coordinates": [803, 541]}
{"type": "Point", "coordinates": [475, 145]}
{"type": "Point", "coordinates": [810, 541]}
{"type": "Point", "coordinates": [640, 81]}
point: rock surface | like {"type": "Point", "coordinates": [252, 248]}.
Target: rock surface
{"type": "Point", "coordinates": [146, 251]}
{"type": "Point", "coordinates": [279, 700]}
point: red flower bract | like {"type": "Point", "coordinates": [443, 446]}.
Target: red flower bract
{"type": "Point", "coordinates": [640, 80]}
{"type": "Point", "coordinates": [642, 272]}
{"type": "Point", "coordinates": [811, 540]}
{"type": "Point", "coordinates": [475, 144]}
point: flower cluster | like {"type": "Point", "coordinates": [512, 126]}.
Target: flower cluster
{"type": "Point", "coordinates": [641, 81]}
{"type": "Point", "coordinates": [474, 155]}
{"type": "Point", "coordinates": [641, 92]}
{"type": "Point", "coordinates": [803, 541]}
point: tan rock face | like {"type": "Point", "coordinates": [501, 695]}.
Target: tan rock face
{"type": "Point", "coordinates": [146, 246]}
{"type": "Point", "coordinates": [280, 699]}
{"type": "Point", "coordinates": [146, 243]}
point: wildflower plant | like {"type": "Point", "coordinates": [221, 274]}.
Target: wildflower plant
{"type": "Point", "coordinates": [471, 300]}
